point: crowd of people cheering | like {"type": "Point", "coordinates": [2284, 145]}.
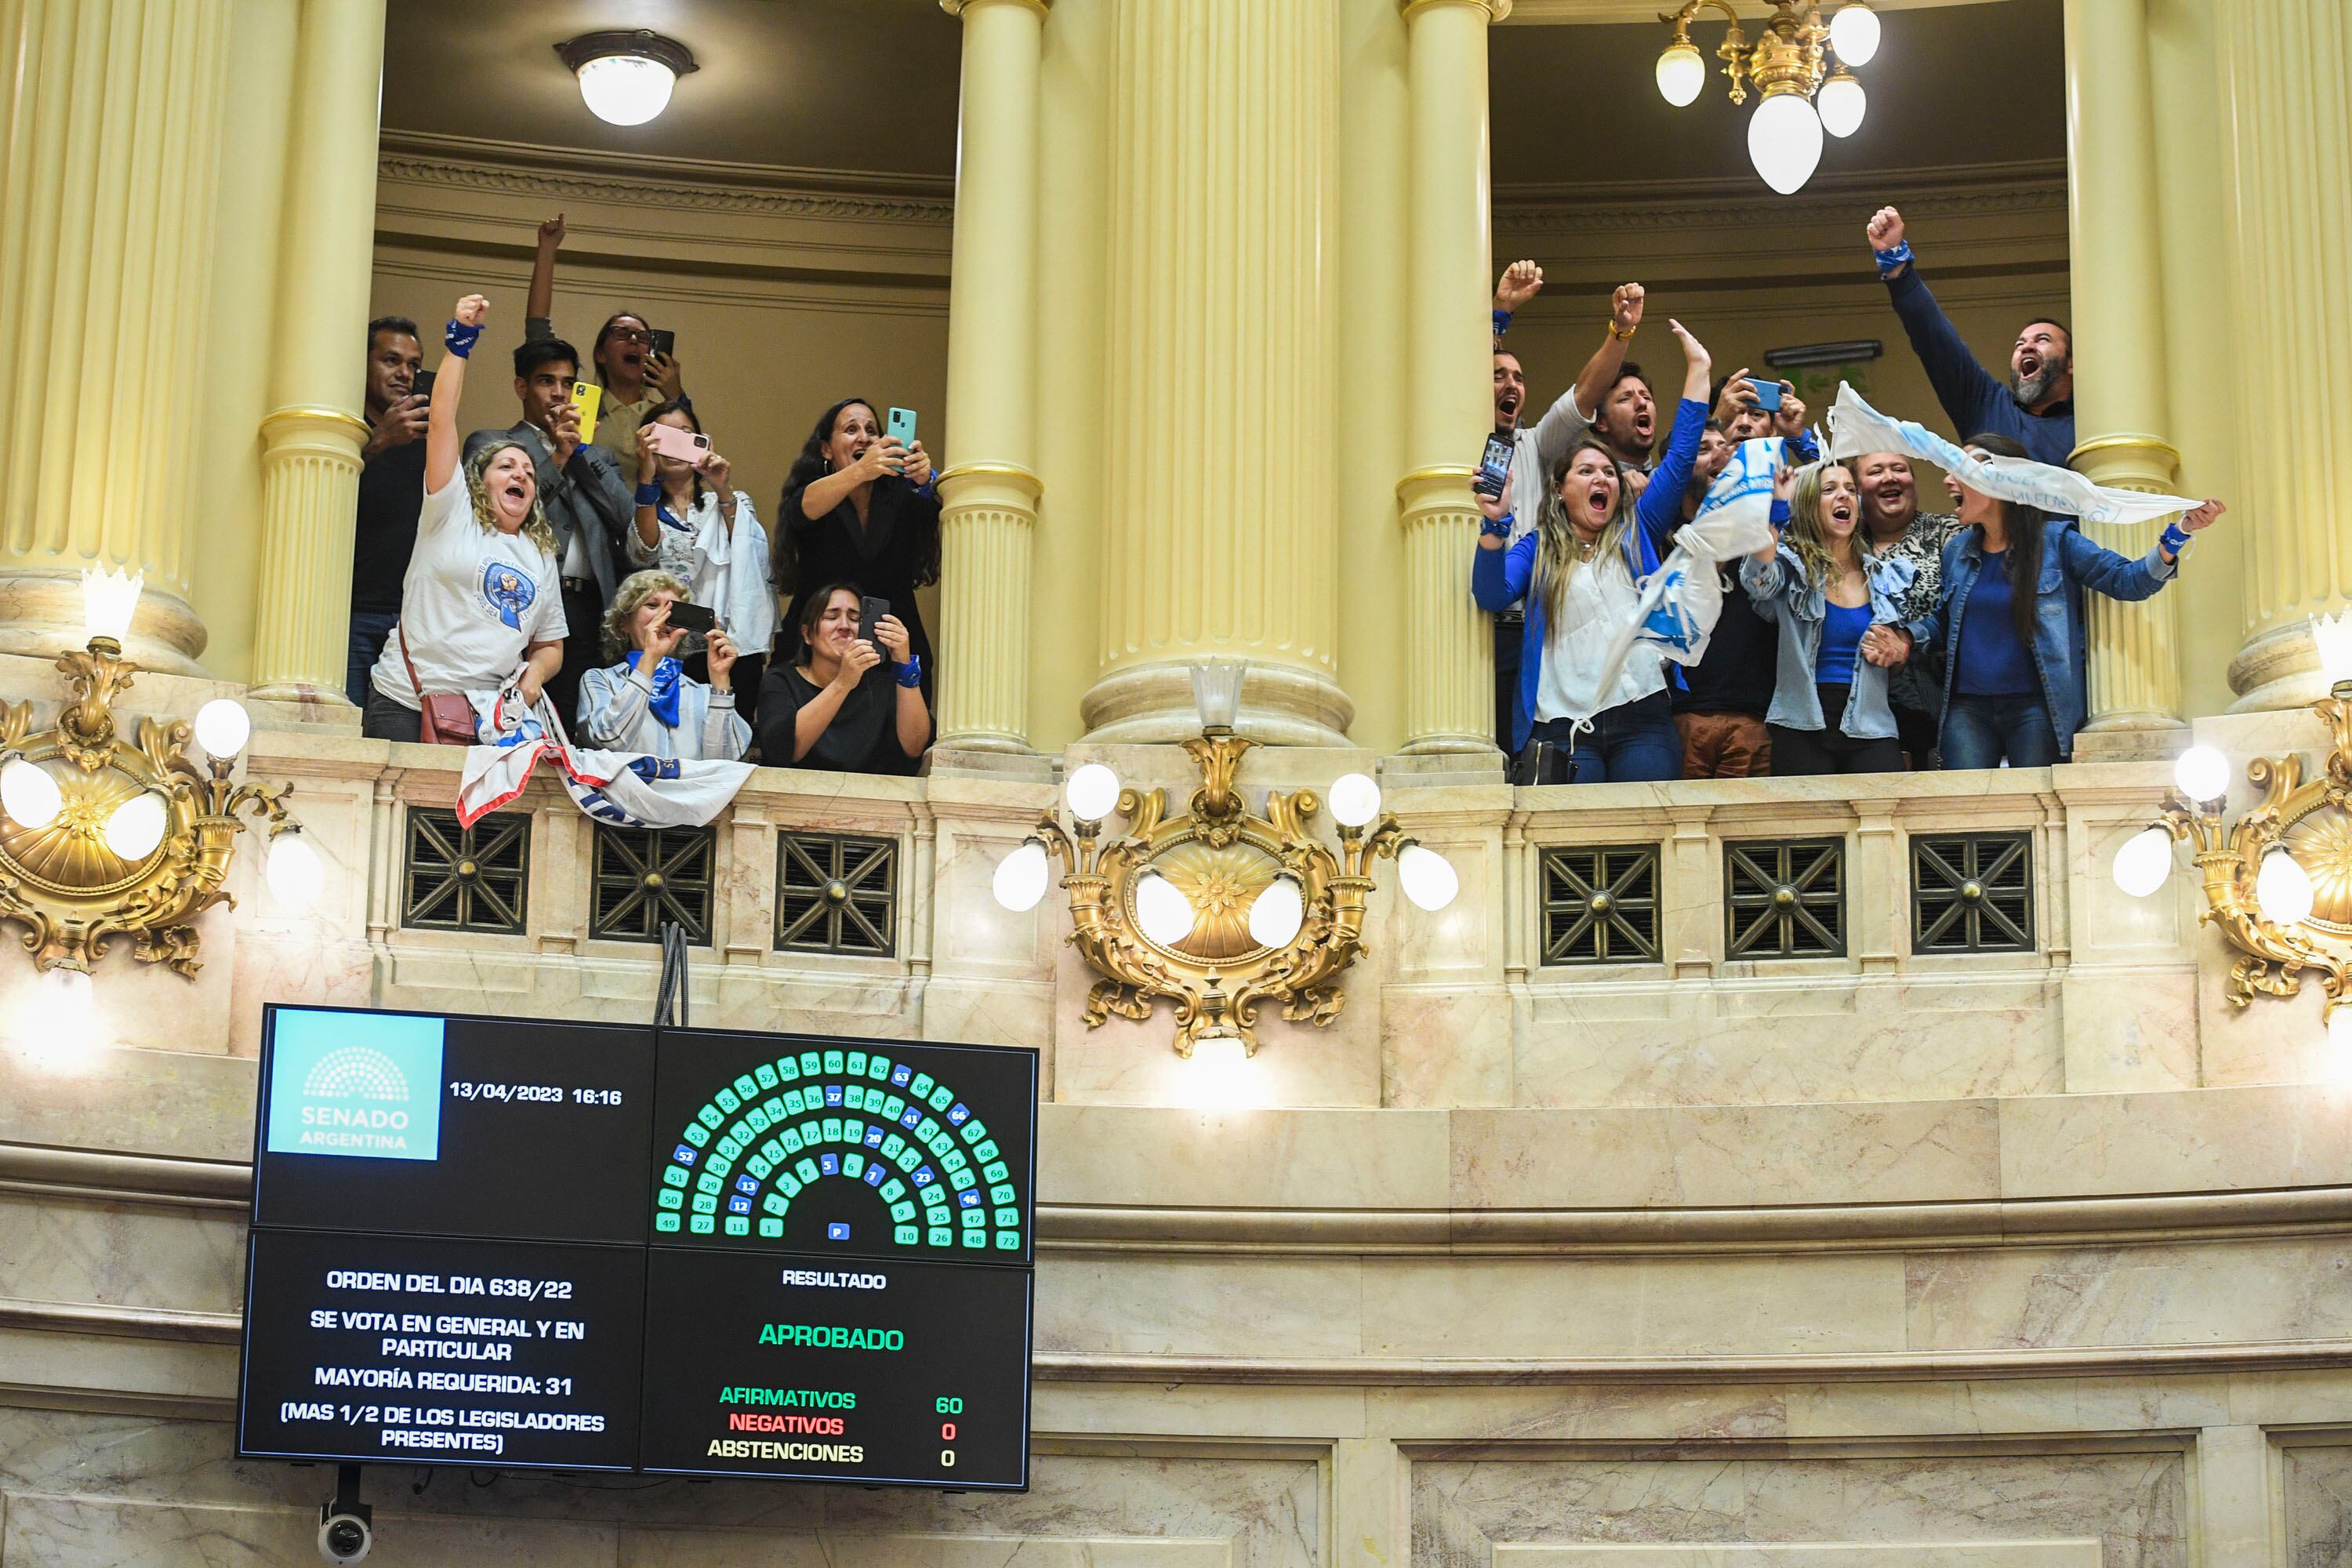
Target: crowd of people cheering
{"type": "Point", "coordinates": [596, 553]}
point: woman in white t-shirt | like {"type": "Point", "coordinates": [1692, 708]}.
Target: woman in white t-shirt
{"type": "Point", "coordinates": [481, 598]}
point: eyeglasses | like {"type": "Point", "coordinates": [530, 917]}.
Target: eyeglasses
{"type": "Point", "coordinates": [629, 335]}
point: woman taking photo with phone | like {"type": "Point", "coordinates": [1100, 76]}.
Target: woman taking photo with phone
{"type": "Point", "coordinates": [1826, 590]}
{"type": "Point", "coordinates": [648, 703]}
{"type": "Point", "coordinates": [481, 599]}
{"type": "Point", "coordinates": [694, 525]}
{"type": "Point", "coordinates": [844, 702]}
{"type": "Point", "coordinates": [860, 508]}
{"type": "Point", "coordinates": [1580, 573]}
{"type": "Point", "coordinates": [2010, 621]}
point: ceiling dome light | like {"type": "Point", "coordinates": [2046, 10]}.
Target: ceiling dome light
{"type": "Point", "coordinates": [1277, 913]}
{"type": "Point", "coordinates": [1784, 139]}
{"type": "Point", "coordinates": [2202, 772]}
{"type": "Point", "coordinates": [28, 794]}
{"type": "Point", "coordinates": [1840, 102]}
{"type": "Point", "coordinates": [2144, 861]}
{"type": "Point", "coordinates": [1682, 71]}
{"type": "Point", "coordinates": [1021, 877]}
{"type": "Point", "coordinates": [223, 727]}
{"type": "Point", "coordinates": [1428, 876]}
{"type": "Point", "coordinates": [1092, 791]}
{"type": "Point", "coordinates": [136, 827]}
{"type": "Point", "coordinates": [296, 874]}
{"type": "Point", "coordinates": [1355, 800]}
{"type": "Point", "coordinates": [625, 78]}
{"type": "Point", "coordinates": [2282, 887]}
{"type": "Point", "coordinates": [1854, 33]}
{"type": "Point", "coordinates": [1162, 909]}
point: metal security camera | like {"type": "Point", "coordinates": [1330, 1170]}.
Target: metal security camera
{"type": "Point", "coordinates": [346, 1525]}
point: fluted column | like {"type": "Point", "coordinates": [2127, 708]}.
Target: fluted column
{"type": "Point", "coordinates": [110, 134]}
{"type": "Point", "coordinates": [2121, 412]}
{"type": "Point", "coordinates": [1449, 651]}
{"type": "Point", "coordinates": [2290, 124]}
{"type": "Point", "coordinates": [1221, 518]}
{"type": "Point", "coordinates": [311, 439]}
{"type": "Point", "coordinates": [990, 490]}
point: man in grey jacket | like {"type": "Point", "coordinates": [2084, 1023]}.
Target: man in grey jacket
{"type": "Point", "coordinates": [588, 502]}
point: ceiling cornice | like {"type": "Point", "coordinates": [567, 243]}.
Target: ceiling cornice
{"type": "Point", "coordinates": [1971, 189]}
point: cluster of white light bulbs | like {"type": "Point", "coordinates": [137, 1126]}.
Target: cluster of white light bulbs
{"type": "Point", "coordinates": [2282, 887]}
{"type": "Point", "coordinates": [134, 828]}
{"type": "Point", "coordinates": [1784, 134]}
{"type": "Point", "coordinates": [1161, 908]}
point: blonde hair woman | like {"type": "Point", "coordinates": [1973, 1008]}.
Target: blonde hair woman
{"type": "Point", "coordinates": [646, 703]}
{"type": "Point", "coordinates": [481, 599]}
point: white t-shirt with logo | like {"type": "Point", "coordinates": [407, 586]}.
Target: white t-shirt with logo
{"type": "Point", "coordinates": [471, 603]}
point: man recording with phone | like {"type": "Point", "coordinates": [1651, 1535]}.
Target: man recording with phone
{"type": "Point", "coordinates": [588, 504]}
{"type": "Point", "coordinates": [392, 493]}
{"type": "Point", "coordinates": [635, 365]}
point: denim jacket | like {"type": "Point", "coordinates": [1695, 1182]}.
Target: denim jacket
{"type": "Point", "coordinates": [2070, 563]}
{"type": "Point", "coordinates": [1781, 593]}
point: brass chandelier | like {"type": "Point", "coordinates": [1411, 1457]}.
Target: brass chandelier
{"type": "Point", "coordinates": [104, 836]}
{"type": "Point", "coordinates": [1220, 909]}
{"type": "Point", "coordinates": [2277, 880]}
{"type": "Point", "coordinates": [1799, 63]}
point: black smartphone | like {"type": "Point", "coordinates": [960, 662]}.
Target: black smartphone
{"type": "Point", "coordinates": [665, 342]}
{"type": "Point", "coordinates": [870, 611]}
{"type": "Point", "coordinates": [1494, 465]}
{"type": "Point", "coordinates": [696, 618]}
{"type": "Point", "coordinates": [422, 387]}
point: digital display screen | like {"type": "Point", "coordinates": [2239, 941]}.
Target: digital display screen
{"type": "Point", "coordinates": [531, 1244]}
{"type": "Point", "coordinates": [824, 1370]}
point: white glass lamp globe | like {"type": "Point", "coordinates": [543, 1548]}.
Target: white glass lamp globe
{"type": "Point", "coordinates": [58, 1015]}
{"type": "Point", "coordinates": [1278, 913]}
{"type": "Point", "coordinates": [1219, 1076]}
{"type": "Point", "coordinates": [222, 727]}
{"type": "Point", "coordinates": [28, 794]}
{"type": "Point", "coordinates": [1163, 911]}
{"type": "Point", "coordinates": [2202, 772]}
{"type": "Point", "coordinates": [1021, 877]}
{"type": "Point", "coordinates": [1355, 800]}
{"type": "Point", "coordinates": [1091, 792]}
{"type": "Point", "coordinates": [626, 90]}
{"type": "Point", "coordinates": [1428, 876]}
{"type": "Point", "coordinates": [1842, 103]}
{"type": "Point", "coordinates": [1784, 140]}
{"type": "Point", "coordinates": [1682, 71]}
{"type": "Point", "coordinates": [136, 827]}
{"type": "Point", "coordinates": [2282, 887]}
{"type": "Point", "coordinates": [296, 874]}
{"type": "Point", "coordinates": [1854, 33]}
{"type": "Point", "coordinates": [2144, 861]}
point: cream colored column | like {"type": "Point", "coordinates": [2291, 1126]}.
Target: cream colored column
{"type": "Point", "coordinates": [2122, 415]}
{"type": "Point", "coordinates": [1221, 519]}
{"type": "Point", "coordinates": [110, 138]}
{"type": "Point", "coordinates": [1449, 646]}
{"type": "Point", "coordinates": [2284, 64]}
{"type": "Point", "coordinates": [990, 490]}
{"type": "Point", "coordinates": [311, 439]}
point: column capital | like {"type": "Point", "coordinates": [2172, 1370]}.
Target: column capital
{"type": "Point", "coordinates": [958, 478]}
{"type": "Point", "coordinates": [1496, 9]}
{"type": "Point", "coordinates": [959, 8]}
{"type": "Point", "coordinates": [2129, 455]}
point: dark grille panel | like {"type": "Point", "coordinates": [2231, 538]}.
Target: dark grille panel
{"type": "Point", "coordinates": [645, 875]}
{"type": "Point", "coordinates": [466, 878]}
{"type": "Point", "coordinates": [1784, 899]}
{"type": "Point", "coordinates": [837, 893]}
{"type": "Point", "coordinates": [1972, 892]}
{"type": "Point", "coordinates": [1600, 904]}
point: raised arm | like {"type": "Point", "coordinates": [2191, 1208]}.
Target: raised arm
{"type": "Point", "coordinates": [539, 303]}
{"type": "Point", "coordinates": [1660, 511]}
{"type": "Point", "coordinates": [1599, 372]}
{"type": "Point", "coordinates": [1965, 388]}
{"type": "Point", "coordinates": [441, 443]}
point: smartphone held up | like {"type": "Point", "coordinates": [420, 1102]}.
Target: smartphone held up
{"type": "Point", "coordinates": [1494, 465]}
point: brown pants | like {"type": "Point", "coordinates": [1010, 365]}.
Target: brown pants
{"type": "Point", "coordinates": [1724, 746]}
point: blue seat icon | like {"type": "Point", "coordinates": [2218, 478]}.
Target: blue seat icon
{"type": "Point", "coordinates": [836, 1231]}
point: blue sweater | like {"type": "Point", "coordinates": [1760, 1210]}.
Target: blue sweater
{"type": "Point", "coordinates": [1501, 578]}
{"type": "Point", "coordinates": [1974, 399]}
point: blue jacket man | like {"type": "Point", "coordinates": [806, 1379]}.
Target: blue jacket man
{"type": "Point", "coordinates": [2036, 408]}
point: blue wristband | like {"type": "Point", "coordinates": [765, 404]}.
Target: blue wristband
{"type": "Point", "coordinates": [1502, 323]}
{"type": "Point", "coordinates": [911, 673]}
{"type": "Point", "coordinates": [460, 338]}
{"type": "Point", "coordinates": [2173, 539]}
{"type": "Point", "coordinates": [1888, 261]}
{"type": "Point", "coordinates": [1500, 527]}
{"type": "Point", "coordinates": [649, 493]}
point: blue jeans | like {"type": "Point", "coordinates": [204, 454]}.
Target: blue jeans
{"type": "Point", "coordinates": [1978, 731]}
{"type": "Point", "coordinates": [1634, 742]}
{"type": "Point", "coordinates": [368, 630]}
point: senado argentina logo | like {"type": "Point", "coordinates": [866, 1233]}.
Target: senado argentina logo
{"type": "Point", "coordinates": [377, 1098]}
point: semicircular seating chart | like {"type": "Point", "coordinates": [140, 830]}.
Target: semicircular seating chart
{"type": "Point", "coordinates": [840, 1115]}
